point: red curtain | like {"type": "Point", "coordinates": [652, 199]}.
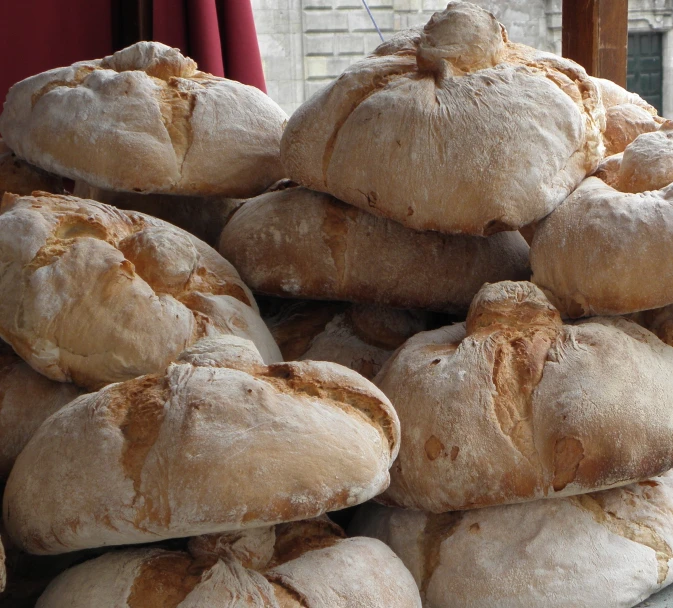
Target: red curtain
{"type": "Point", "coordinates": [37, 35]}
{"type": "Point", "coordinates": [219, 35]}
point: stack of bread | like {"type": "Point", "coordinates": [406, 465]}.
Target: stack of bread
{"type": "Point", "coordinates": [165, 444]}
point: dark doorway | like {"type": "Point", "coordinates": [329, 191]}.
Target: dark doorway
{"type": "Point", "coordinates": [645, 67]}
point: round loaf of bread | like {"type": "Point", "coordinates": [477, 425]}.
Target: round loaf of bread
{"type": "Point", "coordinates": [303, 244]}
{"type": "Point", "coordinates": [204, 217]}
{"type": "Point", "coordinates": [623, 124]}
{"type": "Point", "coordinates": [311, 567]}
{"type": "Point", "coordinates": [358, 336]}
{"type": "Point", "coordinates": [146, 120]}
{"type": "Point", "coordinates": [451, 128]}
{"type": "Point", "coordinates": [609, 252]}
{"type": "Point", "coordinates": [611, 548]}
{"type": "Point", "coordinates": [27, 399]}
{"type": "Point", "coordinates": [74, 273]}
{"type": "Point", "coordinates": [515, 406]}
{"type": "Point", "coordinates": [18, 177]}
{"type": "Point", "coordinates": [218, 442]}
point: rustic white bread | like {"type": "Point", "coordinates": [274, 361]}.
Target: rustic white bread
{"type": "Point", "coordinates": [359, 336]}
{"type": "Point", "coordinates": [311, 567]}
{"type": "Point", "coordinates": [204, 217]}
{"type": "Point", "coordinates": [452, 128]}
{"type": "Point", "coordinates": [613, 95]}
{"type": "Point", "coordinates": [74, 272]}
{"type": "Point", "coordinates": [607, 252]}
{"type": "Point", "coordinates": [624, 123]}
{"type": "Point", "coordinates": [608, 171]}
{"type": "Point", "coordinates": [27, 399]}
{"type": "Point", "coordinates": [611, 548]}
{"type": "Point", "coordinates": [303, 244]}
{"type": "Point", "coordinates": [218, 442]}
{"type": "Point", "coordinates": [515, 406]}
{"type": "Point", "coordinates": [647, 163]}
{"type": "Point", "coordinates": [146, 120]}
{"type": "Point", "coordinates": [18, 177]}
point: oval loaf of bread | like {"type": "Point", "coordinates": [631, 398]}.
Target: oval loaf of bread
{"type": "Point", "coordinates": [302, 244]}
{"type": "Point", "coordinates": [611, 548]}
{"type": "Point", "coordinates": [217, 442]}
{"type": "Point", "coordinates": [517, 406]}
{"type": "Point", "coordinates": [146, 120]}
{"type": "Point", "coordinates": [451, 128]}
{"type": "Point", "coordinates": [74, 273]}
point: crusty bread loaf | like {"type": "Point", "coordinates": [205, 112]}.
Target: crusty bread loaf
{"type": "Point", "coordinates": [516, 406]}
{"type": "Point", "coordinates": [450, 128]}
{"type": "Point", "coordinates": [358, 336]}
{"type": "Point", "coordinates": [303, 244]}
{"type": "Point", "coordinates": [18, 177]}
{"type": "Point", "coordinates": [204, 217]}
{"type": "Point", "coordinates": [218, 442]}
{"type": "Point", "coordinates": [647, 163]}
{"type": "Point", "coordinates": [322, 570]}
{"type": "Point", "coordinates": [146, 120]}
{"type": "Point", "coordinates": [27, 399]}
{"type": "Point", "coordinates": [74, 272]}
{"type": "Point", "coordinates": [623, 124]}
{"type": "Point", "coordinates": [607, 252]}
{"type": "Point", "coordinates": [611, 548]}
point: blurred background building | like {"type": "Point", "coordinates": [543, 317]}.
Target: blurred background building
{"type": "Point", "coordinates": [306, 43]}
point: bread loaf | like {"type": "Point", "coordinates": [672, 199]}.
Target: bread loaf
{"type": "Point", "coordinates": [74, 272]}
{"type": "Point", "coordinates": [19, 177]}
{"type": "Point", "coordinates": [358, 336]}
{"type": "Point", "coordinates": [611, 548]}
{"type": "Point", "coordinates": [27, 399]}
{"type": "Point", "coordinates": [303, 244]}
{"type": "Point", "coordinates": [451, 128]}
{"type": "Point", "coordinates": [607, 252]}
{"type": "Point", "coordinates": [204, 217]}
{"type": "Point", "coordinates": [217, 442]}
{"type": "Point", "coordinates": [146, 120]}
{"type": "Point", "coordinates": [514, 405]}
{"type": "Point", "coordinates": [321, 570]}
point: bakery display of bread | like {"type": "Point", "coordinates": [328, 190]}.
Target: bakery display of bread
{"type": "Point", "coordinates": [358, 336]}
{"type": "Point", "coordinates": [217, 442]}
{"type": "Point", "coordinates": [204, 217]}
{"type": "Point", "coordinates": [514, 405]}
{"type": "Point", "coordinates": [451, 128]}
{"type": "Point", "coordinates": [309, 567]}
{"type": "Point", "coordinates": [611, 548]}
{"type": "Point", "coordinates": [74, 272]}
{"type": "Point", "coordinates": [27, 399]}
{"type": "Point", "coordinates": [303, 244]}
{"type": "Point", "coordinates": [423, 237]}
{"type": "Point", "coordinates": [19, 177]}
{"type": "Point", "coordinates": [129, 122]}
{"type": "Point", "coordinates": [606, 249]}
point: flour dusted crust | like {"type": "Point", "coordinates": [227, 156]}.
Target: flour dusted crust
{"type": "Point", "coordinates": [611, 548]}
{"type": "Point", "coordinates": [146, 120]}
{"type": "Point", "coordinates": [74, 272]}
{"type": "Point", "coordinates": [450, 128]}
{"type": "Point", "coordinates": [358, 336]}
{"type": "Point", "coordinates": [310, 566]}
{"type": "Point", "coordinates": [217, 442]}
{"type": "Point", "coordinates": [608, 248]}
{"type": "Point", "coordinates": [624, 123]}
{"type": "Point", "coordinates": [303, 244]}
{"type": "Point", "coordinates": [26, 400]}
{"type": "Point", "coordinates": [18, 177]}
{"type": "Point", "coordinates": [515, 406]}
{"type": "Point", "coordinates": [204, 217]}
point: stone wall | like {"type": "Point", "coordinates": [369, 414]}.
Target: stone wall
{"type": "Point", "coordinates": [307, 43]}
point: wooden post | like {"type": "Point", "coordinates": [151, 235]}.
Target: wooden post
{"type": "Point", "coordinates": [131, 22]}
{"type": "Point", "coordinates": [595, 35]}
